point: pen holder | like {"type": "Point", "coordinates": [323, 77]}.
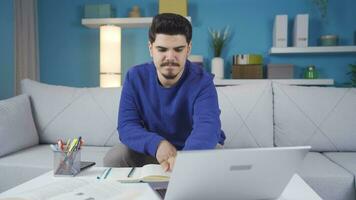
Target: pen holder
{"type": "Point", "coordinates": [66, 163]}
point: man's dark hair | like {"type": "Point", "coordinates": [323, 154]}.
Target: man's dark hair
{"type": "Point", "coordinates": [170, 24]}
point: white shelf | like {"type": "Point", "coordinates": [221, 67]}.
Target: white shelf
{"type": "Point", "coordinates": [225, 82]}
{"type": "Point", "coordinates": [132, 22]}
{"type": "Point", "coordinates": [329, 49]}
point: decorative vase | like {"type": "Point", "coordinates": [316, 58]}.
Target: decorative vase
{"type": "Point", "coordinates": [329, 40]}
{"type": "Point", "coordinates": [311, 72]}
{"type": "Point", "coordinates": [217, 67]}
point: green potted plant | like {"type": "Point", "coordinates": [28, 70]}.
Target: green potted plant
{"type": "Point", "coordinates": [322, 6]}
{"type": "Point", "coordinates": [352, 73]}
{"type": "Point", "coordinates": [218, 39]}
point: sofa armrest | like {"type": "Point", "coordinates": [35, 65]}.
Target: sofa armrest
{"type": "Point", "coordinates": [17, 128]}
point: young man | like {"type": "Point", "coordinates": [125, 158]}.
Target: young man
{"type": "Point", "coordinates": [169, 104]}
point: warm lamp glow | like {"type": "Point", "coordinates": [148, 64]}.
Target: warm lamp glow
{"type": "Point", "coordinates": [110, 56]}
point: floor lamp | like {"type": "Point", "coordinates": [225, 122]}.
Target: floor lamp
{"type": "Point", "coordinates": [110, 56]}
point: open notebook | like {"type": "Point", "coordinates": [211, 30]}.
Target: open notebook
{"type": "Point", "coordinates": [147, 173]}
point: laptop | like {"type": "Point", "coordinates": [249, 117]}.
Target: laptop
{"type": "Point", "coordinates": [258, 173]}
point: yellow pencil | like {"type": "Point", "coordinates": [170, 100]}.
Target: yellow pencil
{"type": "Point", "coordinates": [73, 144]}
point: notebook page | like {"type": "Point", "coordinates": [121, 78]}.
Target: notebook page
{"type": "Point", "coordinates": [154, 171]}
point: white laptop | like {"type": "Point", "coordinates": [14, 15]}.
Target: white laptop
{"type": "Point", "coordinates": [258, 174]}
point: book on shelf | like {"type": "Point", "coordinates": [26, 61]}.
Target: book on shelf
{"type": "Point", "coordinates": [280, 71]}
{"type": "Point", "coordinates": [147, 173]}
{"type": "Point", "coordinates": [247, 71]}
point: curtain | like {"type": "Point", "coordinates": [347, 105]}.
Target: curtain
{"type": "Point", "coordinates": [26, 42]}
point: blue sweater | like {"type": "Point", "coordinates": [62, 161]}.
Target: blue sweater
{"type": "Point", "coordinates": [186, 114]}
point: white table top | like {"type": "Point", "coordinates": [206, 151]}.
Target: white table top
{"type": "Point", "coordinates": [296, 189]}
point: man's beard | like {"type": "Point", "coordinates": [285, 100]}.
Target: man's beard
{"type": "Point", "coordinates": [170, 76]}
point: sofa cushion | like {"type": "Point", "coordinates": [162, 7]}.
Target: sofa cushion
{"type": "Point", "coordinates": [322, 117]}
{"type": "Point", "coordinates": [34, 161]}
{"type": "Point", "coordinates": [329, 180]}
{"type": "Point", "coordinates": [17, 129]}
{"type": "Point", "coordinates": [246, 115]}
{"type": "Point", "coordinates": [346, 160]}
{"type": "Point", "coordinates": [67, 112]}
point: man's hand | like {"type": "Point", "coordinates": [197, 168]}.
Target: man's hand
{"type": "Point", "coordinates": [168, 164]}
{"type": "Point", "coordinates": [166, 154]}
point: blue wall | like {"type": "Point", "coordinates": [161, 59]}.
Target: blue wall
{"type": "Point", "coordinates": [69, 52]}
{"type": "Point", "coordinates": [6, 49]}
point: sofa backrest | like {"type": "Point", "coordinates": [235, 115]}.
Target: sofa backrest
{"type": "Point", "coordinates": [67, 112]}
{"type": "Point", "coordinates": [247, 115]}
{"type": "Point", "coordinates": [322, 117]}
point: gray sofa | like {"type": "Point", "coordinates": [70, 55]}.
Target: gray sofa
{"type": "Point", "coordinates": [252, 115]}
{"type": "Point", "coordinates": [57, 112]}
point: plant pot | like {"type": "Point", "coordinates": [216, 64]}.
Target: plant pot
{"type": "Point", "coordinates": [217, 67]}
{"type": "Point", "coordinates": [329, 40]}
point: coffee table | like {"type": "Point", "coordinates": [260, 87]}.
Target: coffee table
{"type": "Point", "coordinates": [296, 189]}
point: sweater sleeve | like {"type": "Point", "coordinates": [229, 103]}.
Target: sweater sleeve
{"type": "Point", "coordinates": [130, 127]}
{"type": "Point", "coordinates": [206, 122]}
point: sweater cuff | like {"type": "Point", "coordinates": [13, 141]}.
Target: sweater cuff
{"type": "Point", "coordinates": [153, 145]}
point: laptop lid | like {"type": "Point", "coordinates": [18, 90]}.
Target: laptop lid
{"type": "Point", "coordinates": [259, 173]}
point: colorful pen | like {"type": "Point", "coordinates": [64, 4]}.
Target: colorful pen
{"type": "Point", "coordinates": [104, 172]}
{"type": "Point", "coordinates": [53, 147]}
{"type": "Point", "coordinates": [78, 143]}
{"type": "Point", "coordinates": [131, 172]}
{"type": "Point", "coordinates": [107, 173]}
{"type": "Point", "coordinates": [73, 144]}
{"type": "Point", "coordinates": [67, 145]}
{"type": "Point", "coordinates": [60, 145]}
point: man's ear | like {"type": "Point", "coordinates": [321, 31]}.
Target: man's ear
{"type": "Point", "coordinates": [150, 47]}
{"type": "Point", "coordinates": [189, 48]}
